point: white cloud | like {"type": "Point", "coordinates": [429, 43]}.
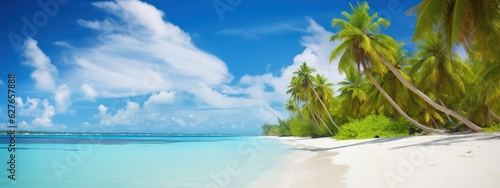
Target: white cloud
{"type": "Point", "coordinates": [126, 116]}
{"type": "Point", "coordinates": [52, 127]}
{"type": "Point", "coordinates": [23, 125]}
{"type": "Point", "coordinates": [41, 110]}
{"type": "Point", "coordinates": [62, 97]}
{"type": "Point", "coordinates": [28, 108]}
{"type": "Point", "coordinates": [19, 102]}
{"type": "Point", "coordinates": [179, 121]}
{"type": "Point", "coordinates": [63, 44]}
{"type": "Point", "coordinates": [218, 100]}
{"type": "Point", "coordinates": [45, 120]}
{"type": "Point", "coordinates": [162, 97]}
{"type": "Point", "coordinates": [138, 53]}
{"type": "Point", "coordinates": [1, 82]}
{"type": "Point", "coordinates": [43, 71]}
{"type": "Point", "coordinates": [103, 114]}
{"type": "Point", "coordinates": [105, 25]}
{"type": "Point", "coordinates": [88, 91]}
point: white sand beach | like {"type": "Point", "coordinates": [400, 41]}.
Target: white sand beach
{"type": "Point", "coordinates": [470, 160]}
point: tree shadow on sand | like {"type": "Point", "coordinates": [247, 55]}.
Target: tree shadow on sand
{"type": "Point", "coordinates": [451, 139]}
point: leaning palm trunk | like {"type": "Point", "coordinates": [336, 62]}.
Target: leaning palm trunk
{"type": "Point", "coordinates": [315, 120]}
{"type": "Point", "coordinates": [494, 116]}
{"type": "Point", "coordinates": [443, 109]}
{"type": "Point", "coordinates": [317, 124]}
{"type": "Point", "coordinates": [324, 106]}
{"type": "Point", "coordinates": [448, 115]}
{"type": "Point", "coordinates": [321, 119]}
{"type": "Point", "coordinates": [412, 121]}
{"type": "Point", "coordinates": [486, 113]}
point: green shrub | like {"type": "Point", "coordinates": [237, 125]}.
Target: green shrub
{"type": "Point", "coordinates": [494, 127]}
{"type": "Point", "coordinates": [301, 127]}
{"type": "Point", "coordinates": [372, 126]}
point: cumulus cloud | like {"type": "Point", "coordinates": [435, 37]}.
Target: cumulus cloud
{"type": "Point", "coordinates": [216, 99]}
{"type": "Point", "coordinates": [19, 102]}
{"type": "Point", "coordinates": [62, 97]}
{"type": "Point", "coordinates": [29, 107]}
{"type": "Point", "coordinates": [23, 125]}
{"type": "Point", "coordinates": [45, 120]}
{"type": "Point", "coordinates": [41, 110]}
{"type": "Point", "coordinates": [88, 91]}
{"type": "Point", "coordinates": [161, 97]}
{"type": "Point", "coordinates": [126, 116]}
{"type": "Point", "coordinates": [43, 71]}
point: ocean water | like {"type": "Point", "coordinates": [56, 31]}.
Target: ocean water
{"type": "Point", "coordinates": [53, 161]}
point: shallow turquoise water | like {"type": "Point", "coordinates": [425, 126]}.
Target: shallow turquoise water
{"type": "Point", "coordinates": [54, 161]}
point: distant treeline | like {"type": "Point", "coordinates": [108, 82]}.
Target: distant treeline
{"type": "Point", "coordinates": [118, 133]}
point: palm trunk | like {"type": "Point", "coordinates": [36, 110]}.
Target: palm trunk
{"type": "Point", "coordinates": [324, 106]}
{"type": "Point", "coordinates": [434, 122]}
{"type": "Point", "coordinates": [315, 120]}
{"type": "Point", "coordinates": [448, 115]}
{"type": "Point", "coordinates": [412, 121]}
{"type": "Point", "coordinates": [486, 114]}
{"type": "Point", "coordinates": [321, 119]}
{"type": "Point", "coordinates": [317, 123]}
{"type": "Point", "coordinates": [494, 116]}
{"type": "Point", "coordinates": [443, 109]}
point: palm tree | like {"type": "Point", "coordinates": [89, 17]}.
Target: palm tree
{"type": "Point", "coordinates": [397, 91]}
{"type": "Point", "coordinates": [466, 22]}
{"type": "Point", "coordinates": [292, 106]}
{"type": "Point", "coordinates": [434, 69]}
{"type": "Point", "coordinates": [484, 93]}
{"type": "Point", "coordinates": [304, 78]}
{"type": "Point", "coordinates": [353, 93]}
{"type": "Point", "coordinates": [324, 92]}
{"type": "Point", "coordinates": [491, 77]}
{"type": "Point", "coordinates": [372, 51]}
{"type": "Point", "coordinates": [436, 72]}
{"type": "Point", "coordinates": [300, 92]}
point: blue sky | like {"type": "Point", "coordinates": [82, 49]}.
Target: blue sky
{"type": "Point", "coordinates": [166, 66]}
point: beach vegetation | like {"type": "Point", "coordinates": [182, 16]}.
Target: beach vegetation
{"type": "Point", "coordinates": [373, 126]}
{"type": "Point", "coordinates": [280, 129]}
{"type": "Point", "coordinates": [494, 127]}
{"type": "Point", "coordinates": [390, 91]}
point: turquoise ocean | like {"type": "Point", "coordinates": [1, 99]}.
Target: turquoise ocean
{"type": "Point", "coordinates": [131, 161]}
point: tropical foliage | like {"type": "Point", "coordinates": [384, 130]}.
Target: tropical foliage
{"type": "Point", "coordinates": [373, 126]}
{"type": "Point", "coordinates": [388, 91]}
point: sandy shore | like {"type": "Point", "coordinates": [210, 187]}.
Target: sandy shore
{"type": "Point", "coordinates": [422, 161]}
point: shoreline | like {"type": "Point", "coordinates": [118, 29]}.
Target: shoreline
{"type": "Point", "coordinates": [468, 160]}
